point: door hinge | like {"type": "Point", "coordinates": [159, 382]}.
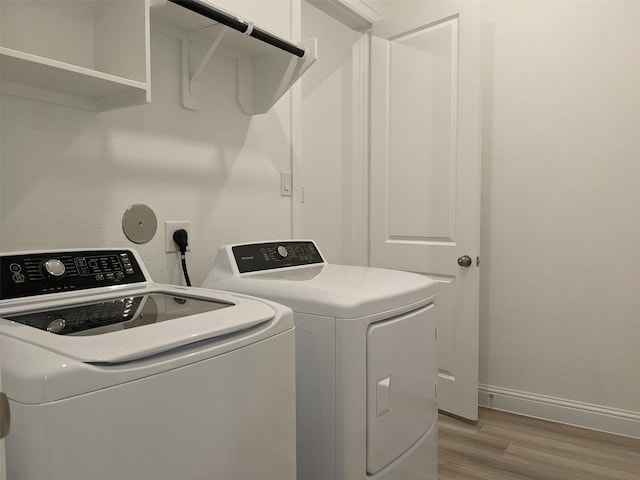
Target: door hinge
{"type": "Point", "coordinates": [478, 261]}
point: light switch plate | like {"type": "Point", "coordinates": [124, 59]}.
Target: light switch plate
{"type": "Point", "coordinates": [286, 188]}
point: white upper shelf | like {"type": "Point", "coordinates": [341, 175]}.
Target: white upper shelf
{"type": "Point", "coordinates": [82, 87]}
{"type": "Point", "coordinates": [266, 72]}
{"type": "Point", "coordinates": [94, 54]}
{"type": "Point", "coordinates": [90, 54]}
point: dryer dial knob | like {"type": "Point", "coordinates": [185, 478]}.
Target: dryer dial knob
{"type": "Point", "coordinates": [54, 268]}
{"type": "Point", "coordinates": [282, 252]}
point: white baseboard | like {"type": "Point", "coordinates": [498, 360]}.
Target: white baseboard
{"type": "Point", "coordinates": [595, 417]}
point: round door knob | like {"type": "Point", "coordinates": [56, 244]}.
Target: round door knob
{"type": "Point", "coordinates": [54, 268]}
{"type": "Point", "coordinates": [465, 261]}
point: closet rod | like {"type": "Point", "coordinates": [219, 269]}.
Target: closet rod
{"type": "Point", "coordinates": [240, 26]}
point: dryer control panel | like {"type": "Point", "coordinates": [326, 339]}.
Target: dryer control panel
{"type": "Point", "coordinates": [267, 256]}
{"type": "Point", "coordinates": [24, 275]}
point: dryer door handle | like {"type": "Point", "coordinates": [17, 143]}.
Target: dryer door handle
{"type": "Point", "coordinates": [5, 415]}
{"type": "Point", "coordinates": [383, 396]}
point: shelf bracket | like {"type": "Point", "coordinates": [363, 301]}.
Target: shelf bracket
{"type": "Point", "coordinates": [193, 63]}
{"type": "Point", "coordinates": [259, 89]}
{"type": "Point", "coordinates": [207, 10]}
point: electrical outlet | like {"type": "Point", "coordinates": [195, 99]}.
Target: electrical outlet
{"type": "Point", "coordinates": [170, 227]}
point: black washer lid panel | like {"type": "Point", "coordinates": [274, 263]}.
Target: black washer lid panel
{"type": "Point", "coordinates": [117, 313]}
{"type": "Point", "coordinates": [32, 274]}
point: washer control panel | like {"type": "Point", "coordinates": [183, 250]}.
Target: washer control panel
{"type": "Point", "coordinates": [31, 274]}
{"type": "Point", "coordinates": [267, 256]}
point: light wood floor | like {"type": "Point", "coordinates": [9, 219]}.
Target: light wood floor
{"type": "Point", "coordinates": [502, 446]}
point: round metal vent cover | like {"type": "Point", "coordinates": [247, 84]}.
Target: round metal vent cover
{"type": "Point", "coordinates": [139, 223]}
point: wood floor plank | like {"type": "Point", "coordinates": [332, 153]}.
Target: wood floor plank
{"type": "Point", "coordinates": [491, 464]}
{"type": "Point", "coordinates": [469, 437]}
{"type": "Point", "coordinates": [473, 449]}
{"type": "Point", "coordinates": [560, 431]}
{"type": "Point", "coordinates": [591, 455]}
{"type": "Point", "coordinates": [504, 446]}
{"type": "Point", "coordinates": [464, 472]}
{"type": "Point", "coordinates": [565, 466]}
{"type": "Point", "coordinates": [456, 424]}
{"type": "Point", "coordinates": [457, 472]}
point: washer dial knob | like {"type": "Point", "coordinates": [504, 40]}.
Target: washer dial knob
{"type": "Point", "coordinates": [282, 252]}
{"type": "Point", "coordinates": [57, 325]}
{"type": "Point", "coordinates": [54, 268]}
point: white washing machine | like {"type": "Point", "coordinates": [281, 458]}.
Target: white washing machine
{"type": "Point", "coordinates": [110, 376]}
{"type": "Point", "coordinates": [365, 358]}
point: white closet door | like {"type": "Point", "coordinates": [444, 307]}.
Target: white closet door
{"type": "Point", "coordinates": [425, 173]}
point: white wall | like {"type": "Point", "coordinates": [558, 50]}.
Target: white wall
{"type": "Point", "coordinates": [327, 153]}
{"type": "Point", "coordinates": [69, 175]}
{"type": "Point", "coordinates": [560, 295]}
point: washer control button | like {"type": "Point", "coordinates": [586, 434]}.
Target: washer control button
{"type": "Point", "coordinates": [282, 252]}
{"type": "Point", "coordinates": [54, 268]}
{"type": "Point", "coordinates": [18, 278]}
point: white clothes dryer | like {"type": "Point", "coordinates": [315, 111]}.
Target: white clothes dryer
{"type": "Point", "coordinates": [365, 358]}
{"type": "Point", "coordinates": [112, 376]}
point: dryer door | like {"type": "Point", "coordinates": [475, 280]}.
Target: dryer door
{"type": "Point", "coordinates": [401, 383]}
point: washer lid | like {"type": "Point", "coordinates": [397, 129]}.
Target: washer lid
{"type": "Point", "coordinates": [115, 329]}
{"type": "Point", "coordinates": [339, 291]}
